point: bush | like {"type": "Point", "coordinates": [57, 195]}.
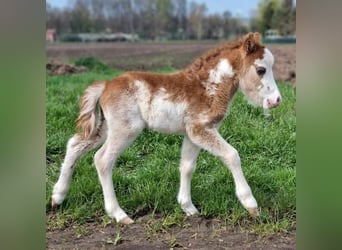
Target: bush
{"type": "Point", "coordinates": [93, 64]}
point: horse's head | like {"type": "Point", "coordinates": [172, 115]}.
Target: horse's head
{"type": "Point", "coordinates": [256, 79]}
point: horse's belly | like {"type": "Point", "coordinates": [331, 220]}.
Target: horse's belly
{"type": "Point", "coordinates": [166, 117]}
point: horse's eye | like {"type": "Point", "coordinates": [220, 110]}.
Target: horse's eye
{"type": "Point", "coordinates": [261, 71]}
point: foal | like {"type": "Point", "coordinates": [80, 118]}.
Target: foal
{"type": "Point", "coordinates": [191, 102]}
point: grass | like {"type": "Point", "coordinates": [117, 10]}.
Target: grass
{"type": "Point", "coordinates": [146, 176]}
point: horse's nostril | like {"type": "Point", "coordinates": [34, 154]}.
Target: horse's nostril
{"type": "Point", "coordinates": [278, 99]}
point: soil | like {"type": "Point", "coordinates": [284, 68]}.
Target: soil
{"type": "Point", "coordinates": [196, 233]}
{"type": "Point", "coordinates": [152, 56]}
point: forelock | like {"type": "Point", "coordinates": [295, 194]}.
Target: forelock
{"type": "Point", "coordinates": [257, 55]}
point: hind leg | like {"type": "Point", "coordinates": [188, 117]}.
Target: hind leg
{"type": "Point", "coordinates": [76, 147]}
{"type": "Point", "coordinates": [105, 157]}
{"type": "Point", "coordinates": [187, 166]}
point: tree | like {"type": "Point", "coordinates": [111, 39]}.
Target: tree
{"type": "Point", "coordinates": [58, 19]}
{"type": "Point", "coordinates": [97, 8]}
{"type": "Point", "coordinates": [286, 18]}
{"type": "Point", "coordinates": [267, 14]}
{"type": "Point", "coordinates": [81, 20]}
{"type": "Point", "coordinates": [153, 19]}
{"type": "Point", "coordinates": [181, 18]}
{"type": "Point", "coordinates": [276, 14]}
{"type": "Point", "coordinates": [197, 14]}
{"type": "Point", "coordinates": [164, 12]}
{"type": "Point", "coordinates": [213, 27]}
{"type": "Point", "coordinates": [227, 24]}
{"type": "Point", "coordinates": [139, 10]}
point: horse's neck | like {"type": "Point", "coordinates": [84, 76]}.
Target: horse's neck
{"type": "Point", "coordinates": [218, 72]}
{"type": "Point", "coordinates": [201, 67]}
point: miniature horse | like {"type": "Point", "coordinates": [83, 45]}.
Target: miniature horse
{"type": "Point", "coordinates": [192, 102]}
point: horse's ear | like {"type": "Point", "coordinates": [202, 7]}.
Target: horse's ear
{"type": "Point", "coordinates": [251, 42]}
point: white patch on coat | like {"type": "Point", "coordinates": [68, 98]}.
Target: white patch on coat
{"type": "Point", "coordinates": [159, 112]}
{"type": "Point", "coordinates": [216, 75]}
{"type": "Point", "coordinates": [166, 116]}
{"type": "Point", "coordinates": [222, 69]}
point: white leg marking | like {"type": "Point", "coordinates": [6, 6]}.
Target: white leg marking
{"type": "Point", "coordinates": [76, 147]}
{"type": "Point", "coordinates": [104, 159]}
{"type": "Point", "coordinates": [187, 167]}
{"type": "Point", "coordinates": [243, 191]}
{"type": "Point", "coordinates": [212, 141]}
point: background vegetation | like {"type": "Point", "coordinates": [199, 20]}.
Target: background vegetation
{"type": "Point", "coordinates": [168, 19]}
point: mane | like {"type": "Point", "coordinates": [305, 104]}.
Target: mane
{"type": "Point", "coordinates": [199, 68]}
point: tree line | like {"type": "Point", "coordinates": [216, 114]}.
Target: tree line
{"type": "Point", "coordinates": [166, 19]}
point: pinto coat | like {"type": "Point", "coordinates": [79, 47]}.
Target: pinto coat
{"type": "Point", "coordinates": [191, 102]}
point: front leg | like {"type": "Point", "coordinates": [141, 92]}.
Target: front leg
{"type": "Point", "coordinates": [187, 166]}
{"type": "Point", "coordinates": [210, 140]}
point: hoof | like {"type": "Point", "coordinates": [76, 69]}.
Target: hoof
{"type": "Point", "coordinates": [126, 221]}
{"type": "Point", "coordinates": [53, 204]}
{"type": "Point", "coordinates": [253, 212]}
{"type": "Point", "coordinates": [191, 212]}
{"type": "Point", "coordinates": [189, 209]}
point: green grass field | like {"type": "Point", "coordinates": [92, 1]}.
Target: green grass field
{"type": "Point", "coordinates": [146, 175]}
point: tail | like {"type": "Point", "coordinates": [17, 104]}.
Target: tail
{"type": "Point", "coordinates": [87, 119]}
